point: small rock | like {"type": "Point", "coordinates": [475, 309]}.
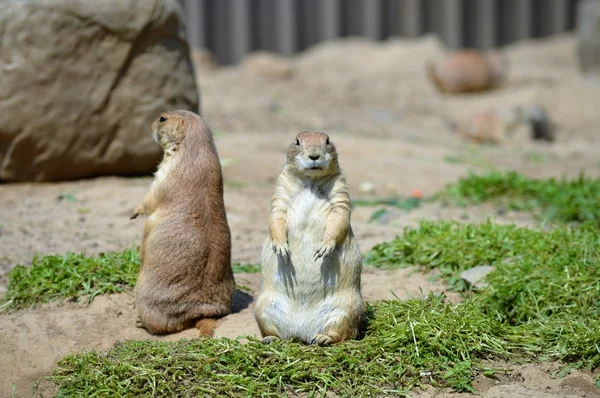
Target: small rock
{"type": "Point", "coordinates": [468, 71]}
{"type": "Point", "coordinates": [511, 260]}
{"type": "Point", "coordinates": [474, 276]}
{"type": "Point", "coordinates": [383, 116]}
{"type": "Point", "coordinates": [542, 128]}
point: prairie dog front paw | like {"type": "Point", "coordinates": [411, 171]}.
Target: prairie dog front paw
{"type": "Point", "coordinates": [136, 212]}
{"type": "Point", "coordinates": [327, 247]}
{"type": "Point", "coordinates": [282, 249]}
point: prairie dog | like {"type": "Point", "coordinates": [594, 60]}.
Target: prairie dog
{"type": "Point", "coordinates": [468, 71]}
{"type": "Point", "coordinates": [492, 127]}
{"type": "Point", "coordinates": [496, 126]}
{"type": "Point", "coordinates": [311, 262]}
{"type": "Point", "coordinates": [185, 275]}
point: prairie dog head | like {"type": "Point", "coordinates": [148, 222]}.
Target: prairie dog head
{"type": "Point", "coordinates": [312, 154]}
{"type": "Point", "coordinates": [169, 131]}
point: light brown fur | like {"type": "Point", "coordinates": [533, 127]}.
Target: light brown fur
{"type": "Point", "coordinates": [496, 126]}
{"type": "Point", "coordinates": [468, 71]}
{"type": "Point", "coordinates": [311, 262]}
{"type": "Point", "coordinates": [185, 277]}
{"type": "Point", "coordinates": [492, 127]}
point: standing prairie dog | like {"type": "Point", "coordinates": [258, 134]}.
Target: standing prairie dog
{"type": "Point", "coordinates": [185, 276]}
{"type": "Point", "coordinates": [311, 262]}
{"type": "Point", "coordinates": [468, 71]}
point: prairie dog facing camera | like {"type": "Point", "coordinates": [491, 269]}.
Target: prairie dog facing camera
{"type": "Point", "coordinates": [311, 262]}
{"type": "Point", "coordinates": [185, 275]}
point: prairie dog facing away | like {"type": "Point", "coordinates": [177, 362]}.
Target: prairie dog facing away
{"type": "Point", "coordinates": [492, 127]}
{"type": "Point", "coordinates": [496, 126]}
{"type": "Point", "coordinates": [468, 71]}
{"type": "Point", "coordinates": [185, 275]}
{"type": "Point", "coordinates": [311, 262]}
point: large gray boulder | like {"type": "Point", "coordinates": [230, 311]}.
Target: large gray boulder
{"type": "Point", "coordinates": [81, 82]}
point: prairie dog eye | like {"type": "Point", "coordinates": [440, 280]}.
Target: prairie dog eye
{"type": "Point", "coordinates": [162, 119]}
{"type": "Point", "coordinates": [327, 141]}
{"type": "Point", "coordinates": [297, 142]}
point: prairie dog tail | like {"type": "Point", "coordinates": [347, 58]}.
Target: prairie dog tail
{"type": "Point", "coordinates": [206, 326]}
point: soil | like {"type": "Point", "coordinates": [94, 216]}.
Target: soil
{"type": "Point", "coordinates": [392, 132]}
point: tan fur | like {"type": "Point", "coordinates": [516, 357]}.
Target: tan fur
{"type": "Point", "coordinates": [496, 126]}
{"type": "Point", "coordinates": [311, 262]}
{"type": "Point", "coordinates": [206, 326]}
{"type": "Point", "coordinates": [468, 71]}
{"type": "Point", "coordinates": [185, 273]}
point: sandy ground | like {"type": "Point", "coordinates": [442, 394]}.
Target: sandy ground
{"type": "Point", "coordinates": [390, 128]}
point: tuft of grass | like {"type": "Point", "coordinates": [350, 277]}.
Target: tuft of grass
{"type": "Point", "coordinates": [559, 200]}
{"type": "Point", "coordinates": [72, 276]}
{"type": "Point", "coordinates": [67, 196]}
{"type": "Point", "coordinates": [233, 184]}
{"type": "Point", "coordinates": [239, 268]}
{"type": "Point", "coordinates": [400, 203]}
{"type": "Point", "coordinates": [77, 277]}
{"type": "Point", "coordinates": [538, 273]}
{"type": "Point", "coordinates": [378, 215]}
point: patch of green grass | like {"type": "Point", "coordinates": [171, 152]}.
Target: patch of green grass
{"type": "Point", "coordinates": [554, 200]}
{"type": "Point", "coordinates": [538, 157]}
{"type": "Point", "coordinates": [407, 203]}
{"type": "Point", "coordinates": [540, 304]}
{"type": "Point", "coordinates": [67, 196]}
{"type": "Point", "coordinates": [378, 215]}
{"type": "Point", "coordinates": [454, 159]}
{"type": "Point", "coordinates": [400, 203]}
{"type": "Point", "coordinates": [72, 276]}
{"type": "Point", "coordinates": [546, 284]}
{"type": "Point", "coordinates": [78, 277]}
{"type": "Point", "coordinates": [239, 268]}
{"type": "Point", "coordinates": [538, 273]}
{"type": "Point", "coordinates": [409, 343]}
{"type": "Point", "coordinates": [559, 200]}
{"type": "Point", "coordinates": [233, 184]}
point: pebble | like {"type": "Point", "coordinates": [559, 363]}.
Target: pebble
{"type": "Point", "coordinates": [474, 276]}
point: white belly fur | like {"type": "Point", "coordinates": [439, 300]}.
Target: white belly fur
{"type": "Point", "coordinates": [307, 293]}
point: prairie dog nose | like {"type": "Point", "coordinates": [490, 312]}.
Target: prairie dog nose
{"type": "Point", "coordinates": [314, 156]}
